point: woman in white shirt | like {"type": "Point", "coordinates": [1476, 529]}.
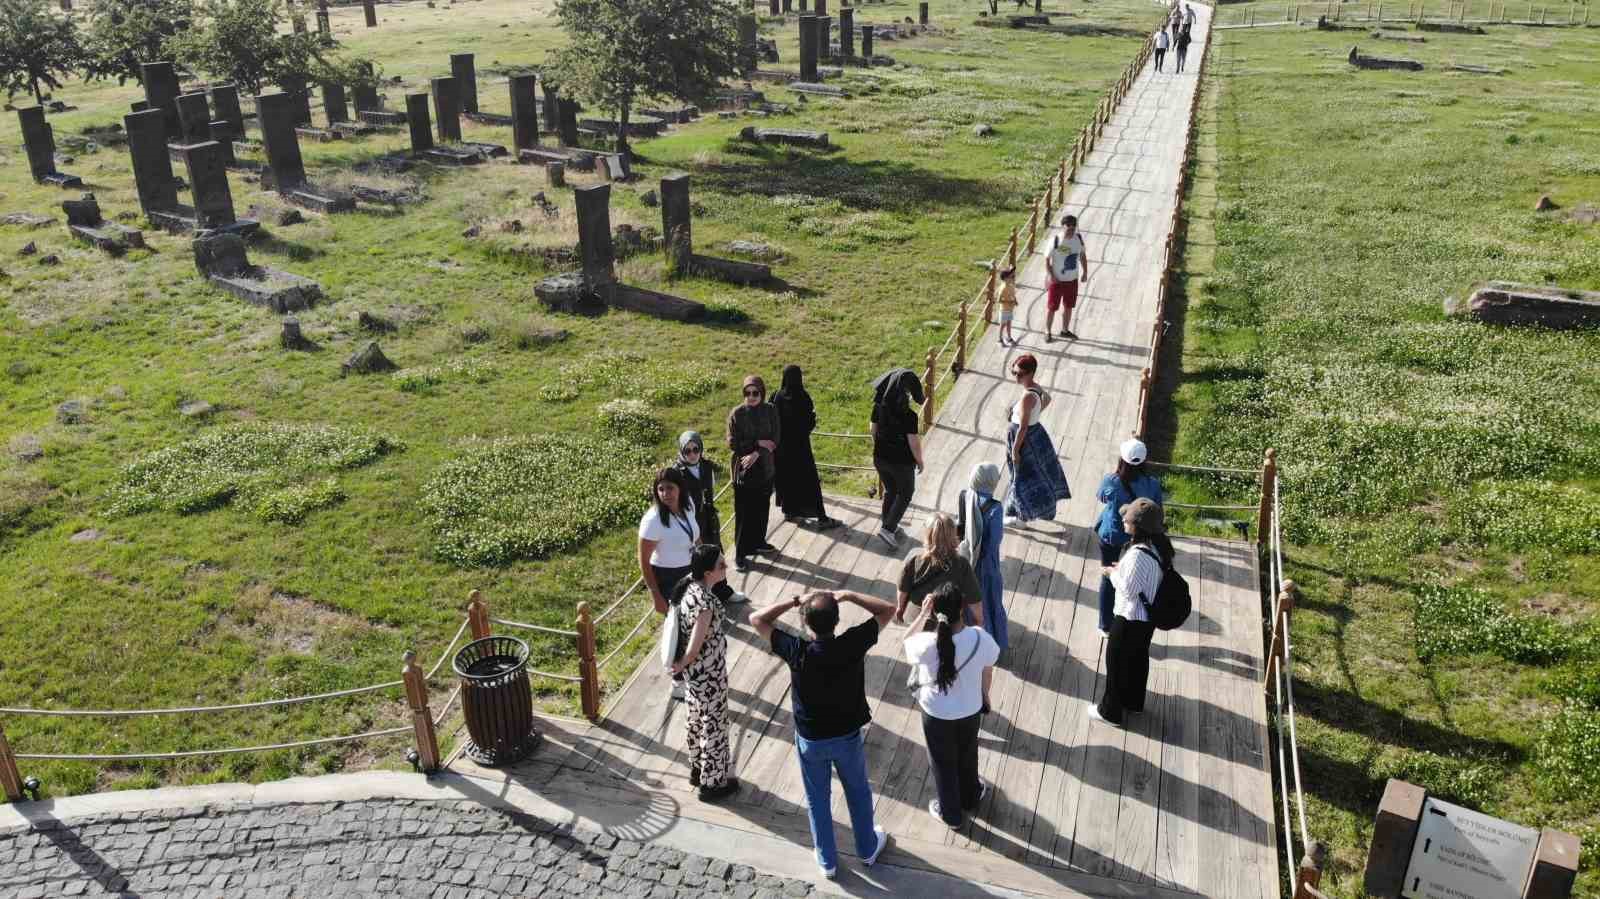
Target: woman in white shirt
{"type": "Point", "coordinates": [1135, 577]}
{"type": "Point", "coordinates": [668, 532]}
{"type": "Point", "coordinates": [951, 668]}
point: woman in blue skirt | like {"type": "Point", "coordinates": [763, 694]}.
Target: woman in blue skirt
{"type": "Point", "coordinates": [1037, 481]}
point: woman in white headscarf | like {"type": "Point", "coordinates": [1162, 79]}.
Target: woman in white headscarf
{"type": "Point", "coordinates": [982, 524]}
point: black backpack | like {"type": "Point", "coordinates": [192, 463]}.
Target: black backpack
{"type": "Point", "coordinates": [1171, 606]}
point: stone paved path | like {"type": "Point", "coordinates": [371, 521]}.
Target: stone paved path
{"type": "Point", "coordinates": [350, 849]}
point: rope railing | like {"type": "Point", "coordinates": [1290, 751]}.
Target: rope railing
{"type": "Point", "coordinates": [198, 710]}
{"type": "Point", "coordinates": [1458, 12]}
{"type": "Point", "coordinates": [539, 628]}
{"type": "Point", "coordinates": [196, 753]}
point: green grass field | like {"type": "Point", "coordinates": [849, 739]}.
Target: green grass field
{"type": "Point", "coordinates": [200, 593]}
{"type": "Point", "coordinates": [1440, 477]}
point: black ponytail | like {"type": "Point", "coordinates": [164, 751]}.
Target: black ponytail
{"type": "Point", "coordinates": [702, 559]}
{"type": "Point", "coordinates": [947, 605]}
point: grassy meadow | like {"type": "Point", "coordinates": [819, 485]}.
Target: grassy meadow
{"type": "Point", "coordinates": [312, 527]}
{"type": "Point", "coordinates": [1440, 478]}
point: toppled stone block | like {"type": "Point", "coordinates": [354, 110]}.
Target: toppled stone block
{"type": "Point", "coordinates": [1450, 28]}
{"type": "Point", "coordinates": [569, 292]}
{"type": "Point", "coordinates": [27, 220]}
{"type": "Point", "coordinates": [982, 129]}
{"type": "Point", "coordinates": [1475, 69]}
{"type": "Point", "coordinates": [789, 136]}
{"type": "Point", "coordinates": [71, 412]}
{"type": "Point", "coordinates": [221, 259]}
{"type": "Point", "coordinates": [85, 223]}
{"type": "Point", "coordinates": [196, 409]}
{"type": "Point", "coordinates": [1378, 62]}
{"type": "Point", "coordinates": [822, 90]}
{"type": "Point", "coordinates": [374, 324]}
{"type": "Point", "coordinates": [732, 271]}
{"type": "Point", "coordinates": [292, 338]}
{"type": "Point", "coordinates": [369, 360]}
{"type": "Point", "coordinates": [1503, 303]}
{"type": "Point", "coordinates": [755, 250]}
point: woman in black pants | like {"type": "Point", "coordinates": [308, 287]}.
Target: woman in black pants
{"type": "Point", "coordinates": [753, 434]}
{"type": "Point", "coordinates": [1182, 45]}
{"type": "Point", "coordinates": [1136, 577]}
{"type": "Point", "coordinates": [896, 446]}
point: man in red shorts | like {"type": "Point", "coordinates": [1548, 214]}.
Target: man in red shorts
{"type": "Point", "coordinates": [1068, 264]}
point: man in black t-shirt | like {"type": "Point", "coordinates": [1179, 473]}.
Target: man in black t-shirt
{"type": "Point", "coordinates": [828, 693]}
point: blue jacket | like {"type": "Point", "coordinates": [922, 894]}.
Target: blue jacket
{"type": "Point", "coordinates": [1115, 496]}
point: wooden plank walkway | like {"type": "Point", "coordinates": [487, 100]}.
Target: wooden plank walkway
{"type": "Point", "coordinates": [1178, 803]}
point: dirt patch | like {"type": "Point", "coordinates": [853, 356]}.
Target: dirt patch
{"type": "Point", "coordinates": [291, 623]}
{"type": "Point", "coordinates": [1560, 606]}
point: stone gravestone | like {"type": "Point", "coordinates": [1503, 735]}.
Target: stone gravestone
{"type": "Point", "coordinates": [371, 9]}
{"type": "Point", "coordinates": [825, 35]}
{"type": "Point", "coordinates": [866, 42]}
{"type": "Point", "coordinates": [922, 12]}
{"type": "Point", "coordinates": [85, 223]}
{"type": "Point", "coordinates": [275, 113]}
{"type": "Point", "coordinates": [194, 118]}
{"type": "Point", "coordinates": [465, 72]}
{"type": "Point", "coordinates": [847, 32]}
{"type": "Point", "coordinates": [568, 125]}
{"type": "Point", "coordinates": [152, 165]}
{"type": "Point", "coordinates": [300, 92]}
{"type": "Point", "coordinates": [774, 8]}
{"type": "Point", "coordinates": [749, 38]}
{"type": "Point", "coordinates": [225, 103]}
{"type": "Point", "coordinates": [821, 7]}
{"type": "Point", "coordinates": [677, 234]}
{"type": "Point", "coordinates": [421, 127]}
{"type": "Point", "coordinates": [447, 106]}
{"type": "Point", "coordinates": [39, 140]}
{"type": "Point", "coordinates": [552, 106]}
{"type": "Point", "coordinates": [524, 112]}
{"type": "Point", "coordinates": [594, 236]}
{"type": "Point", "coordinates": [221, 260]}
{"type": "Point", "coordinates": [808, 48]}
{"type": "Point", "coordinates": [324, 24]}
{"type": "Point", "coordinates": [161, 92]}
{"type": "Point", "coordinates": [208, 178]}
{"type": "Point", "coordinates": [365, 97]}
{"type": "Point", "coordinates": [333, 104]}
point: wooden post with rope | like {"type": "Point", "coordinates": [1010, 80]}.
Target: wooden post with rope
{"type": "Point", "coordinates": [960, 363]}
{"type": "Point", "coordinates": [1269, 493]}
{"type": "Point", "coordinates": [1282, 612]}
{"type": "Point", "coordinates": [1011, 250]}
{"type": "Point", "coordinates": [1309, 876]}
{"type": "Point", "coordinates": [989, 294]}
{"type": "Point", "coordinates": [477, 615]}
{"type": "Point", "coordinates": [588, 671]}
{"type": "Point", "coordinates": [1063, 184]}
{"type": "Point", "coordinates": [1144, 401]}
{"type": "Point", "coordinates": [1033, 227]}
{"type": "Point", "coordinates": [10, 777]}
{"type": "Point", "coordinates": [1049, 196]}
{"type": "Point", "coordinates": [421, 716]}
{"type": "Point", "coordinates": [928, 385]}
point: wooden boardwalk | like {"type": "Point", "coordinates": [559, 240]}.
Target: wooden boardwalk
{"type": "Point", "coordinates": [1178, 803]}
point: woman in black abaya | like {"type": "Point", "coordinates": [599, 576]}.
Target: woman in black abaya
{"type": "Point", "coordinates": [799, 489]}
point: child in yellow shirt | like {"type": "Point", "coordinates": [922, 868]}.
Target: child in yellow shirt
{"type": "Point", "coordinates": [1008, 304]}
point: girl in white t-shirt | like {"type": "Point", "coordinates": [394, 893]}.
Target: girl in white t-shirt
{"type": "Point", "coordinates": [668, 532]}
{"type": "Point", "coordinates": [951, 668]}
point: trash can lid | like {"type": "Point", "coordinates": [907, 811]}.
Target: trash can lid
{"type": "Point", "coordinates": [491, 657]}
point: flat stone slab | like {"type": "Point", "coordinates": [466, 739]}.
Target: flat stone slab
{"type": "Point", "coordinates": [181, 220]}
{"type": "Point", "coordinates": [110, 237]}
{"type": "Point", "coordinates": [771, 77]}
{"type": "Point", "coordinates": [1476, 69]}
{"type": "Point", "coordinates": [320, 135]}
{"type": "Point", "coordinates": [638, 126]}
{"type": "Point", "coordinates": [790, 136]}
{"type": "Point", "coordinates": [677, 115]}
{"type": "Point", "coordinates": [486, 150]}
{"type": "Point", "coordinates": [27, 220]}
{"type": "Point", "coordinates": [569, 293]}
{"type": "Point", "coordinates": [381, 117]}
{"type": "Point", "coordinates": [450, 156]}
{"type": "Point", "coordinates": [61, 179]}
{"type": "Point", "coordinates": [660, 305]}
{"type": "Point", "coordinates": [1504, 303]}
{"type": "Point", "coordinates": [732, 271]}
{"type": "Point", "coordinates": [272, 288]}
{"type": "Point", "coordinates": [1450, 28]}
{"type": "Point", "coordinates": [1378, 62]}
{"type": "Point", "coordinates": [488, 118]}
{"type": "Point", "coordinates": [812, 87]}
{"type": "Point", "coordinates": [317, 200]}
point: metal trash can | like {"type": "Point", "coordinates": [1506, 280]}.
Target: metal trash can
{"type": "Point", "coordinates": [496, 700]}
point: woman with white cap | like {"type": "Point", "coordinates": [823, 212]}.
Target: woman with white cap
{"type": "Point", "coordinates": [1136, 578]}
{"type": "Point", "coordinates": [1130, 481]}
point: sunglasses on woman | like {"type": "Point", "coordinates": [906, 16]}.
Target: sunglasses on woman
{"type": "Point", "coordinates": [752, 392]}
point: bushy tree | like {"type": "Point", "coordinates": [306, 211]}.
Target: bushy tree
{"type": "Point", "coordinates": [37, 48]}
{"type": "Point", "coordinates": [124, 33]}
{"type": "Point", "coordinates": [625, 51]}
{"type": "Point", "coordinates": [240, 41]}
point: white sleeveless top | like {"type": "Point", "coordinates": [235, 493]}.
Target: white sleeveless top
{"type": "Point", "coordinates": [1016, 407]}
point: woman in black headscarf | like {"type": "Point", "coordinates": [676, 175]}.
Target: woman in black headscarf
{"type": "Point", "coordinates": [896, 445]}
{"type": "Point", "coordinates": [798, 487]}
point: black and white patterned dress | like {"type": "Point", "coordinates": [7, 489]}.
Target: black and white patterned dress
{"type": "Point", "coordinates": [707, 682]}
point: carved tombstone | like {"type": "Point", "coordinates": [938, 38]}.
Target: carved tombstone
{"type": "Point", "coordinates": [568, 124]}
{"type": "Point", "coordinates": [152, 165]}
{"type": "Point", "coordinates": [465, 72]}
{"type": "Point", "coordinates": [594, 235]}
{"type": "Point", "coordinates": [524, 112]}
{"type": "Point", "coordinates": [194, 118]}
{"type": "Point", "coordinates": [447, 107]}
{"type": "Point", "coordinates": [333, 103]}
{"type": "Point", "coordinates": [208, 178]}
{"type": "Point", "coordinates": [161, 92]}
{"type": "Point", "coordinates": [866, 41]}
{"type": "Point", "coordinates": [225, 104]}
{"type": "Point", "coordinates": [676, 231]}
{"type": "Point", "coordinates": [808, 48]}
{"type": "Point", "coordinates": [371, 9]}
{"type": "Point", "coordinates": [847, 32]}
{"type": "Point", "coordinates": [276, 114]}
{"type": "Point", "coordinates": [417, 120]}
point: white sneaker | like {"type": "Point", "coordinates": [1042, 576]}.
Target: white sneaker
{"type": "Point", "coordinates": [1013, 521]}
{"type": "Point", "coordinates": [933, 809]}
{"type": "Point", "coordinates": [889, 537]}
{"type": "Point", "coordinates": [1094, 713]}
{"type": "Point", "coordinates": [883, 843]}
{"type": "Point", "coordinates": [826, 872]}
{"type": "Point", "coordinates": [738, 598]}
{"type": "Point", "coordinates": [679, 691]}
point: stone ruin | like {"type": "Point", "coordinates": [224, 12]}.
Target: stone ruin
{"type": "Point", "coordinates": [85, 223]}
{"type": "Point", "coordinates": [1503, 303]}
{"type": "Point", "coordinates": [280, 139]}
{"type": "Point", "coordinates": [678, 241]}
{"type": "Point", "coordinates": [158, 189]}
{"type": "Point", "coordinates": [594, 287]}
{"type": "Point", "coordinates": [1378, 62]}
{"type": "Point", "coordinates": [39, 141]}
{"type": "Point", "coordinates": [795, 137]}
{"type": "Point", "coordinates": [221, 260]}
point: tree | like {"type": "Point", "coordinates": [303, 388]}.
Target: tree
{"type": "Point", "coordinates": [124, 33]}
{"type": "Point", "coordinates": [36, 46]}
{"type": "Point", "coordinates": [239, 41]}
{"type": "Point", "coordinates": [625, 51]}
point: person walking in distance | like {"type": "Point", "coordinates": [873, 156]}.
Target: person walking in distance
{"type": "Point", "coordinates": [704, 668]}
{"type": "Point", "coordinates": [1136, 577]}
{"type": "Point", "coordinates": [896, 446]}
{"type": "Point", "coordinates": [1068, 265]}
{"type": "Point", "coordinates": [1128, 482]}
{"type": "Point", "coordinates": [827, 673]}
{"type": "Point", "coordinates": [1162, 43]}
{"type": "Point", "coordinates": [700, 480]}
{"type": "Point", "coordinates": [1037, 481]}
{"type": "Point", "coordinates": [753, 435]}
{"type": "Point", "coordinates": [951, 669]}
{"type": "Point", "coordinates": [1183, 48]}
{"type": "Point", "coordinates": [799, 488]}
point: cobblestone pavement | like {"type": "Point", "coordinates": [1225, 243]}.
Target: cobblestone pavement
{"type": "Point", "coordinates": [340, 849]}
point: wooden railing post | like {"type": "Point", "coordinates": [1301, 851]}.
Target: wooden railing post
{"type": "Point", "coordinates": [989, 293]}
{"type": "Point", "coordinates": [1282, 610]}
{"type": "Point", "coordinates": [1011, 251]}
{"type": "Point", "coordinates": [1063, 185]}
{"type": "Point", "coordinates": [421, 716]}
{"type": "Point", "coordinates": [477, 615]}
{"type": "Point", "coordinates": [1269, 491]}
{"type": "Point", "coordinates": [1049, 196]}
{"type": "Point", "coordinates": [10, 778]}
{"type": "Point", "coordinates": [928, 385]}
{"type": "Point", "coordinates": [1309, 876]}
{"type": "Point", "coordinates": [588, 671]}
{"type": "Point", "coordinates": [1144, 401]}
{"type": "Point", "coordinates": [1033, 227]}
{"type": "Point", "coordinates": [960, 364]}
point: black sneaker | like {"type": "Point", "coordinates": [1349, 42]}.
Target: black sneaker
{"type": "Point", "coordinates": [827, 524]}
{"type": "Point", "coordinates": [1068, 334]}
{"type": "Point", "coordinates": [717, 794]}
{"type": "Point", "coordinates": [768, 549]}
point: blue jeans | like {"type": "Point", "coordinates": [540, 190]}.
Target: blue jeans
{"type": "Point", "coordinates": [818, 758]}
